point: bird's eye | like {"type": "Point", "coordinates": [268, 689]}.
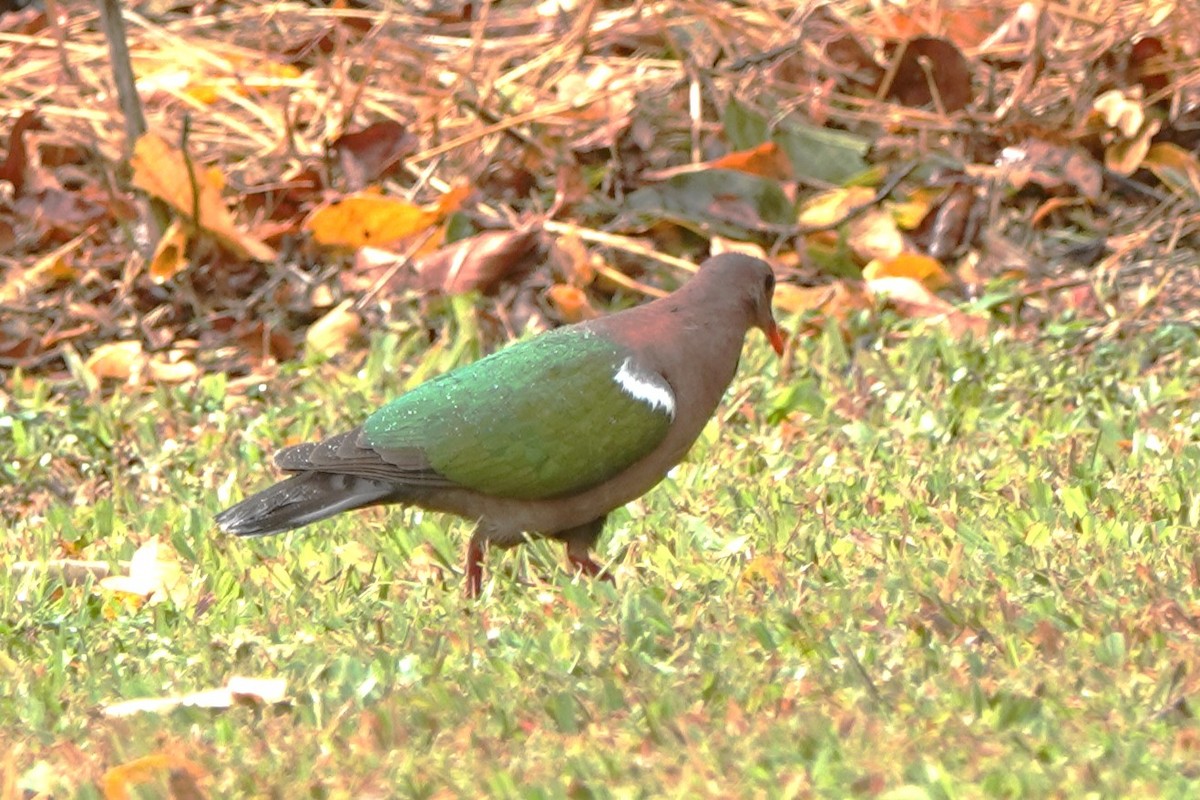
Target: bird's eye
{"type": "Point", "coordinates": [769, 282]}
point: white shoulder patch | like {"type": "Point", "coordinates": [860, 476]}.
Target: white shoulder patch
{"type": "Point", "coordinates": [649, 388]}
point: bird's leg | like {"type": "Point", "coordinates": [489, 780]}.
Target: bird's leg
{"type": "Point", "coordinates": [579, 541]}
{"type": "Point", "coordinates": [474, 569]}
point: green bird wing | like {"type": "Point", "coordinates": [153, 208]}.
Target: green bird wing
{"type": "Point", "coordinates": [551, 416]}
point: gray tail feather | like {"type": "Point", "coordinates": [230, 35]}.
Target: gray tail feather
{"type": "Point", "coordinates": [301, 499]}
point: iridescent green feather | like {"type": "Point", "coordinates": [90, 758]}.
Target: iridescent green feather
{"type": "Point", "coordinates": [542, 418]}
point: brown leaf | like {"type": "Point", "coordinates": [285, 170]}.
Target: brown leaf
{"type": "Point", "coordinates": [16, 162]}
{"type": "Point", "coordinates": [931, 64]}
{"type": "Point", "coordinates": [1149, 65]}
{"type": "Point", "coordinates": [53, 268]}
{"type": "Point", "coordinates": [261, 342]}
{"type": "Point", "coordinates": [1053, 167]}
{"type": "Point", "coordinates": [369, 153]}
{"type": "Point", "coordinates": [480, 262]}
{"type": "Point", "coordinates": [951, 224]}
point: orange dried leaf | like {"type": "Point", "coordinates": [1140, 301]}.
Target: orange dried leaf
{"type": "Point", "coordinates": [571, 303]}
{"type": "Point", "coordinates": [162, 171]}
{"type": "Point", "coordinates": [169, 255]}
{"type": "Point", "coordinates": [116, 781]}
{"type": "Point", "coordinates": [453, 200]}
{"type": "Point", "coordinates": [766, 160]}
{"type": "Point", "coordinates": [923, 268]}
{"type": "Point", "coordinates": [368, 219]}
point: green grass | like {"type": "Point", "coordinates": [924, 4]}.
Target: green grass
{"type": "Point", "coordinates": [924, 569]}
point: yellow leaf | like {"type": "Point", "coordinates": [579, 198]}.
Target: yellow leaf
{"type": "Point", "coordinates": [1126, 155]}
{"type": "Point", "coordinates": [797, 299]}
{"type": "Point", "coordinates": [154, 575]}
{"type": "Point", "coordinates": [368, 219]}
{"type": "Point", "coordinates": [162, 171]}
{"type": "Point", "coordinates": [169, 259]}
{"type": "Point", "coordinates": [923, 268]}
{"type": "Point", "coordinates": [874, 234]}
{"type": "Point", "coordinates": [830, 208]}
{"type": "Point", "coordinates": [763, 569]}
{"type": "Point", "coordinates": [116, 360]}
{"type": "Point", "coordinates": [1124, 113]}
{"type": "Point", "coordinates": [334, 332]}
{"type": "Point", "coordinates": [1176, 167]}
{"type": "Point", "coordinates": [172, 369]}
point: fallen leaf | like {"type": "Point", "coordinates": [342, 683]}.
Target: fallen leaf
{"type": "Point", "coordinates": [118, 779]}
{"type": "Point", "coordinates": [929, 271]}
{"type": "Point", "coordinates": [16, 163]}
{"type": "Point", "coordinates": [184, 776]}
{"type": "Point", "coordinates": [913, 300]}
{"type": "Point", "coordinates": [932, 70]}
{"type": "Point", "coordinates": [155, 574]}
{"type": "Point", "coordinates": [369, 153]}
{"type": "Point", "coordinates": [1051, 166]}
{"type": "Point", "coordinates": [116, 360]}
{"type": "Point", "coordinates": [832, 207]}
{"type": "Point", "coordinates": [169, 254]}
{"type": "Point", "coordinates": [1175, 167]}
{"type": "Point", "coordinates": [480, 262]}
{"type": "Point", "coordinates": [951, 225]}
{"type": "Point", "coordinates": [765, 160]}
{"type": "Point", "coordinates": [368, 219]}
{"type": "Point", "coordinates": [53, 268]}
{"type": "Point", "coordinates": [874, 235]}
{"type": "Point", "coordinates": [1122, 112]}
{"type": "Point", "coordinates": [162, 171]}
{"type": "Point", "coordinates": [335, 331]}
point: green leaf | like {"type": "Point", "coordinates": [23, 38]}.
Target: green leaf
{"type": "Point", "coordinates": [743, 128]}
{"type": "Point", "coordinates": [820, 154]}
{"type": "Point", "coordinates": [716, 202]}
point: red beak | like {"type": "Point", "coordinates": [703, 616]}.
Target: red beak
{"type": "Point", "coordinates": [776, 338]}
